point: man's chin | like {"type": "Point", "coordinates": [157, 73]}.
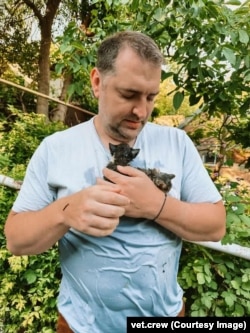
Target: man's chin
{"type": "Point", "coordinates": [130, 134]}
{"type": "Point", "coordinates": [127, 133]}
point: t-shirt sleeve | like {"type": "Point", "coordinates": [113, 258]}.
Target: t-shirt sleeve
{"type": "Point", "coordinates": [35, 193]}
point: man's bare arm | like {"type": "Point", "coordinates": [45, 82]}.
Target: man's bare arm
{"type": "Point", "coordinates": [194, 221]}
{"type": "Point", "coordinates": [94, 211]}
{"type": "Point", "coordinates": [191, 221]}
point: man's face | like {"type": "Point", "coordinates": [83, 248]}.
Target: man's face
{"type": "Point", "coordinates": [126, 97]}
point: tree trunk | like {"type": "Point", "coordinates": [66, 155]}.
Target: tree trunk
{"type": "Point", "coordinates": [44, 71]}
{"type": "Point", "coordinates": [45, 23]}
{"type": "Point", "coordinates": [59, 113]}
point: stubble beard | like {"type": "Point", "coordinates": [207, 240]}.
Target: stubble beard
{"type": "Point", "coordinates": [124, 136]}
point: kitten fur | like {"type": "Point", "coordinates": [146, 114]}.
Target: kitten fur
{"type": "Point", "coordinates": [123, 154]}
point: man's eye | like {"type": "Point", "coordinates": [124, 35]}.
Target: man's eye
{"type": "Point", "coordinates": [151, 98]}
{"type": "Point", "coordinates": [128, 96]}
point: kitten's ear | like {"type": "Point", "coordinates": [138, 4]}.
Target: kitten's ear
{"type": "Point", "coordinates": [135, 152]}
{"type": "Point", "coordinates": [112, 148]}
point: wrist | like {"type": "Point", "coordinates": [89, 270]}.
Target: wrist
{"type": "Point", "coordinates": [63, 209]}
{"type": "Point", "coordinates": [158, 214]}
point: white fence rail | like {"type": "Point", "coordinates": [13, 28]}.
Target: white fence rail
{"type": "Point", "coordinates": [233, 249]}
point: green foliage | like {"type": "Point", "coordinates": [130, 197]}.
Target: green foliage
{"type": "Point", "coordinates": [206, 45]}
{"type": "Point", "coordinates": [240, 132]}
{"type": "Point", "coordinates": [206, 42]}
{"type": "Point", "coordinates": [165, 105]}
{"type": "Point", "coordinates": [208, 49]}
{"type": "Point", "coordinates": [216, 283]}
{"type": "Point", "coordinates": [12, 96]}
{"type": "Point", "coordinates": [237, 202]}
{"type": "Point", "coordinates": [29, 288]}
{"type": "Point", "coordinates": [75, 57]}
{"type": "Point", "coordinates": [28, 285]}
{"type": "Point", "coordinates": [209, 43]}
{"type": "Point", "coordinates": [21, 136]}
{"type": "Point", "coordinates": [15, 46]}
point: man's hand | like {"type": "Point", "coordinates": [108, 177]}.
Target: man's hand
{"type": "Point", "coordinates": [145, 197]}
{"type": "Point", "coordinates": [95, 210]}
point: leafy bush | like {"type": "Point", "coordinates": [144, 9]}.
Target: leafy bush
{"type": "Point", "coordinates": [10, 95]}
{"type": "Point", "coordinates": [28, 284]}
{"type": "Point", "coordinates": [215, 283]}
{"type": "Point", "coordinates": [21, 137]}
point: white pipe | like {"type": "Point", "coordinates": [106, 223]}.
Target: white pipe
{"type": "Point", "coordinates": [10, 182]}
{"type": "Point", "coordinates": [233, 249]}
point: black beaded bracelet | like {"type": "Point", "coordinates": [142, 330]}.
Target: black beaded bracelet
{"type": "Point", "coordinates": [163, 204]}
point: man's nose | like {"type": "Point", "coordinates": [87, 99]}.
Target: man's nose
{"type": "Point", "coordinates": [140, 108]}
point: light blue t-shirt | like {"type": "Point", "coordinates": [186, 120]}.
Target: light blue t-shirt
{"type": "Point", "coordinates": [132, 272]}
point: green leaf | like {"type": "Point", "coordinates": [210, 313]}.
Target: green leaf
{"type": "Point", "coordinates": [207, 301]}
{"type": "Point", "coordinates": [229, 297]}
{"type": "Point", "coordinates": [201, 278]}
{"type": "Point", "coordinates": [135, 4]}
{"type": "Point", "coordinates": [78, 45]}
{"type": "Point", "coordinates": [233, 3]}
{"type": "Point", "coordinates": [247, 77]}
{"type": "Point", "coordinates": [59, 68]}
{"type": "Point", "coordinates": [65, 48]}
{"type": "Point", "coordinates": [30, 276]}
{"type": "Point", "coordinates": [165, 75]}
{"type": "Point", "coordinates": [238, 311]}
{"type": "Point", "coordinates": [194, 63]}
{"type": "Point", "coordinates": [229, 55]}
{"type": "Point", "coordinates": [194, 99]}
{"type": "Point", "coordinates": [233, 198]}
{"type": "Point", "coordinates": [239, 208]}
{"type": "Point", "coordinates": [245, 219]}
{"type": "Point", "coordinates": [229, 264]}
{"type": "Point", "coordinates": [178, 99]}
{"type": "Point", "coordinates": [218, 312]}
{"type": "Point", "coordinates": [247, 61]}
{"type": "Point", "coordinates": [159, 15]}
{"type": "Point", "coordinates": [235, 284]}
{"type": "Point", "coordinates": [230, 300]}
{"type": "Point", "coordinates": [244, 38]}
{"type": "Point", "coordinates": [71, 90]}
{"type": "Point", "coordinates": [192, 50]}
{"type": "Point", "coordinates": [232, 218]}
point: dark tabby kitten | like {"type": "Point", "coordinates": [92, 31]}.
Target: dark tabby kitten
{"type": "Point", "coordinates": [123, 154]}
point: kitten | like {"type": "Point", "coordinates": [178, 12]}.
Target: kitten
{"type": "Point", "coordinates": [123, 154]}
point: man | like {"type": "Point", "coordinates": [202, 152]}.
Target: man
{"type": "Point", "coordinates": [119, 241]}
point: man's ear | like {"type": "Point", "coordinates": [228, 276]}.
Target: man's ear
{"type": "Point", "coordinates": [95, 81]}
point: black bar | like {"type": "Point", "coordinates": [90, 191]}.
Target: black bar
{"type": "Point", "coordinates": [166, 324]}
